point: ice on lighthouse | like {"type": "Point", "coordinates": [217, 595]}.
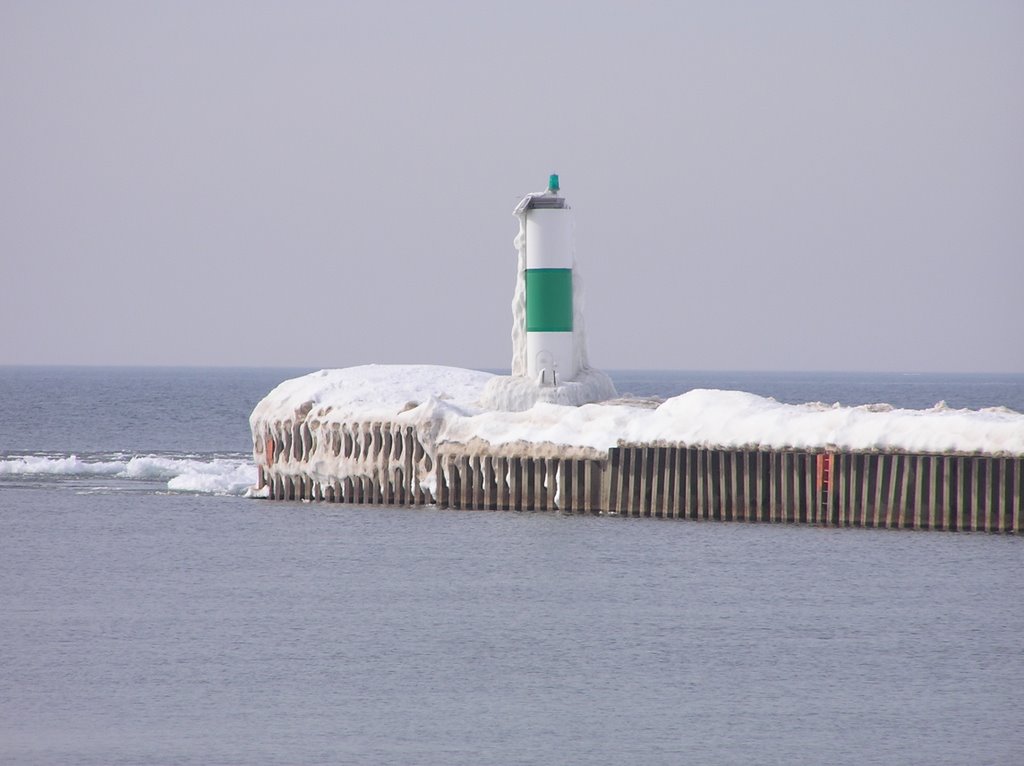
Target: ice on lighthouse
{"type": "Point", "coordinates": [549, 341]}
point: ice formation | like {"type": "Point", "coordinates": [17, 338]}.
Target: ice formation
{"type": "Point", "coordinates": [218, 475]}
{"type": "Point", "coordinates": [516, 394]}
{"type": "Point", "coordinates": [444, 406]}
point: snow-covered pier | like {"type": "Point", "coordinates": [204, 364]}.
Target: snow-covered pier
{"type": "Point", "coordinates": [898, 490]}
{"type": "Point", "coordinates": [422, 435]}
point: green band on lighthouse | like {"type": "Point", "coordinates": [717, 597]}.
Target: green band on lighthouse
{"type": "Point", "coordinates": [549, 300]}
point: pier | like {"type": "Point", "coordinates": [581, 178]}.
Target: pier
{"type": "Point", "coordinates": [387, 464]}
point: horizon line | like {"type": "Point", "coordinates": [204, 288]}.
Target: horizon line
{"type": "Point", "coordinates": [495, 370]}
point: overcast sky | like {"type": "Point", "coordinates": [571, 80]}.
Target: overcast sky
{"type": "Point", "coordinates": [757, 186]}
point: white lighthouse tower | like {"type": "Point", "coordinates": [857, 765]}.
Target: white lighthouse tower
{"type": "Point", "coordinates": [549, 343]}
{"type": "Point", "coordinates": [550, 357]}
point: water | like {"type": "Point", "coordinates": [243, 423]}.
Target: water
{"type": "Point", "coordinates": [145, 625]}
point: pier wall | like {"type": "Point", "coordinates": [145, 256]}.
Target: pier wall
{"type": "Point", "coordinates": [376, 463]}
{"type": "Point", "coordinates": [387, 464]}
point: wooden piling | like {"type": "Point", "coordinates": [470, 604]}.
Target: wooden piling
{"type": "Point", "coordinates": [502, 477]}
{"type": "Point", "coordinates": [869, 489]}
{"type": "Point", "coordinates": [1017, 495]}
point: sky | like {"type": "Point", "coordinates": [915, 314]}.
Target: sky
{"type": "Point", "coordinates": [832, 186]}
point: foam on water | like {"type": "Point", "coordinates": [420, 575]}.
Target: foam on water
{"type": "Point", "coordinates": [207, 475]}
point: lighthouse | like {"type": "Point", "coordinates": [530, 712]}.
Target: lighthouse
{"type": "Point", "coordinates": [549, 342]}
{"type": "Point", "coordinates": [550, 353]}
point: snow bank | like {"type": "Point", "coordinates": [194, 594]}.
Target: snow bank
{"type": "Point", "coordinates": [733, 419]}
{"type": "Point", "coordinates": [446, 406]}
{"type": "Point", "coordinates": [519, 393]}
{"type": "Point", "coordinates": [373, 392]}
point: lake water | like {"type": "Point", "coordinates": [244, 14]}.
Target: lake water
{"type": "Point", "coordinates": [145, 625]}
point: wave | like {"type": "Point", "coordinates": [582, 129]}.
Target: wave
{"type": "Point", "coordinates": [208, 475]}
